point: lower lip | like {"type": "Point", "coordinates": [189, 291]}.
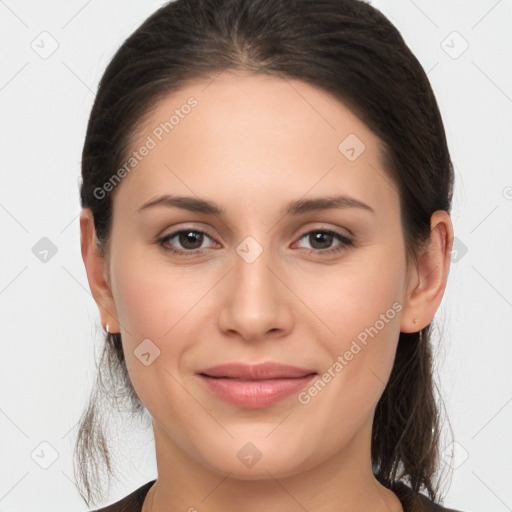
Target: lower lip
{"type": "Point", "coordinates": [254, 394]}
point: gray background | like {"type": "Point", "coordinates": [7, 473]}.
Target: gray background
{"type": "Point", "coordinates": [50, 322]}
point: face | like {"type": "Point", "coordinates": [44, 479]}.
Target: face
{"type": "Point", "coordinates": [318, 289]}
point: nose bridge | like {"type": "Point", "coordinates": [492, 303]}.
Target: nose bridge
{"type": "Point", "coordinates": [251, 273]}
{"type": "Point", "coordinates": [255, 303]}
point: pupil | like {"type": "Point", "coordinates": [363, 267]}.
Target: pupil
{"type": "Point", "coordinates": [318, 237]}
{"type": "Point", "coordinates": [190, 236]}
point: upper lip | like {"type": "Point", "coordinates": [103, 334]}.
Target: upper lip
{"type": "Point", "coordinates": [256, 371]}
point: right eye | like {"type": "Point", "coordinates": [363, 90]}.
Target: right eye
{"type": "Point", "coordinates": [190, 239]}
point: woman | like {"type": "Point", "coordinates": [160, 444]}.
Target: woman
{"type": "Point", "coordinates": [266, 232]}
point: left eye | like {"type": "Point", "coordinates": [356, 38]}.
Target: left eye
{"type": "Point", "coordinates": [326, 237]}
{"type": "Point", "coordinates": [191, 241]}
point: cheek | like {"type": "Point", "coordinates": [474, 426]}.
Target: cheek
{"type": "Point", "coordinates": [152, 304]}
{"type": "Point", "coordinates": [152, 298]}
{"type": "Point", "coordinates": [362, 307]}
{"type": "Point", "coordinates": [354, 295]}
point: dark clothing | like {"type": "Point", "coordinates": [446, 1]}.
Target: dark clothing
{"type": "Point", "coordinates": [411, 501]}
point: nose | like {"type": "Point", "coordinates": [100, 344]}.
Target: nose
{"type": "Point", "coordinates": [256, 302]}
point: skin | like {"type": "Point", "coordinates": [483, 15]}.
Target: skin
{"type": "Point", "coordinates": [251, 145]}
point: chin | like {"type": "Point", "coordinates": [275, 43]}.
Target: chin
{"type": "Point", "coordinates": [256, 460]}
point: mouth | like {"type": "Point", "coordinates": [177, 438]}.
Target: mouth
{"type": "Point", "coordinates": [255, 386]}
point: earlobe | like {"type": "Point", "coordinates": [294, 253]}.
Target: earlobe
{"type": "Point", "coordinates": [95, 266]}
{"type": "Point", "coordinates": [427, 284]}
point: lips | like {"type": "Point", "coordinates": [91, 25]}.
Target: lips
{"type": "Point", "coordinates": [254, 386]}
{"type": "Point", "coordinates": [256, 372]}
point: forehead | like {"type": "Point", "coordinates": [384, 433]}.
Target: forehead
{"type": "Point", "coordinates": [253, 134]}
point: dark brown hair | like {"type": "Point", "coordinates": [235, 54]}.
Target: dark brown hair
{"type": "Point", "coordinates": [346, 48]}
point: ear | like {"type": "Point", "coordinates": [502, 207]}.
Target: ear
{"type": "Point", "coordinates": [97, 272]}
{"type": "Point", "coordinates": [427, 279]}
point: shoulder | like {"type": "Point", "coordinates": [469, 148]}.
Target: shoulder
{"type": "Point", "coordinates": [413, 501]}
{"type": "Point", "coordinates": [131, 503]}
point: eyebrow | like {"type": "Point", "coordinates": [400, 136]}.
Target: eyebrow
{"type": "Point", "coordinates": [298, 207]}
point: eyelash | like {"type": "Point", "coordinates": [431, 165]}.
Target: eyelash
{"type": "Point", "coordinates": [345, 242]}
